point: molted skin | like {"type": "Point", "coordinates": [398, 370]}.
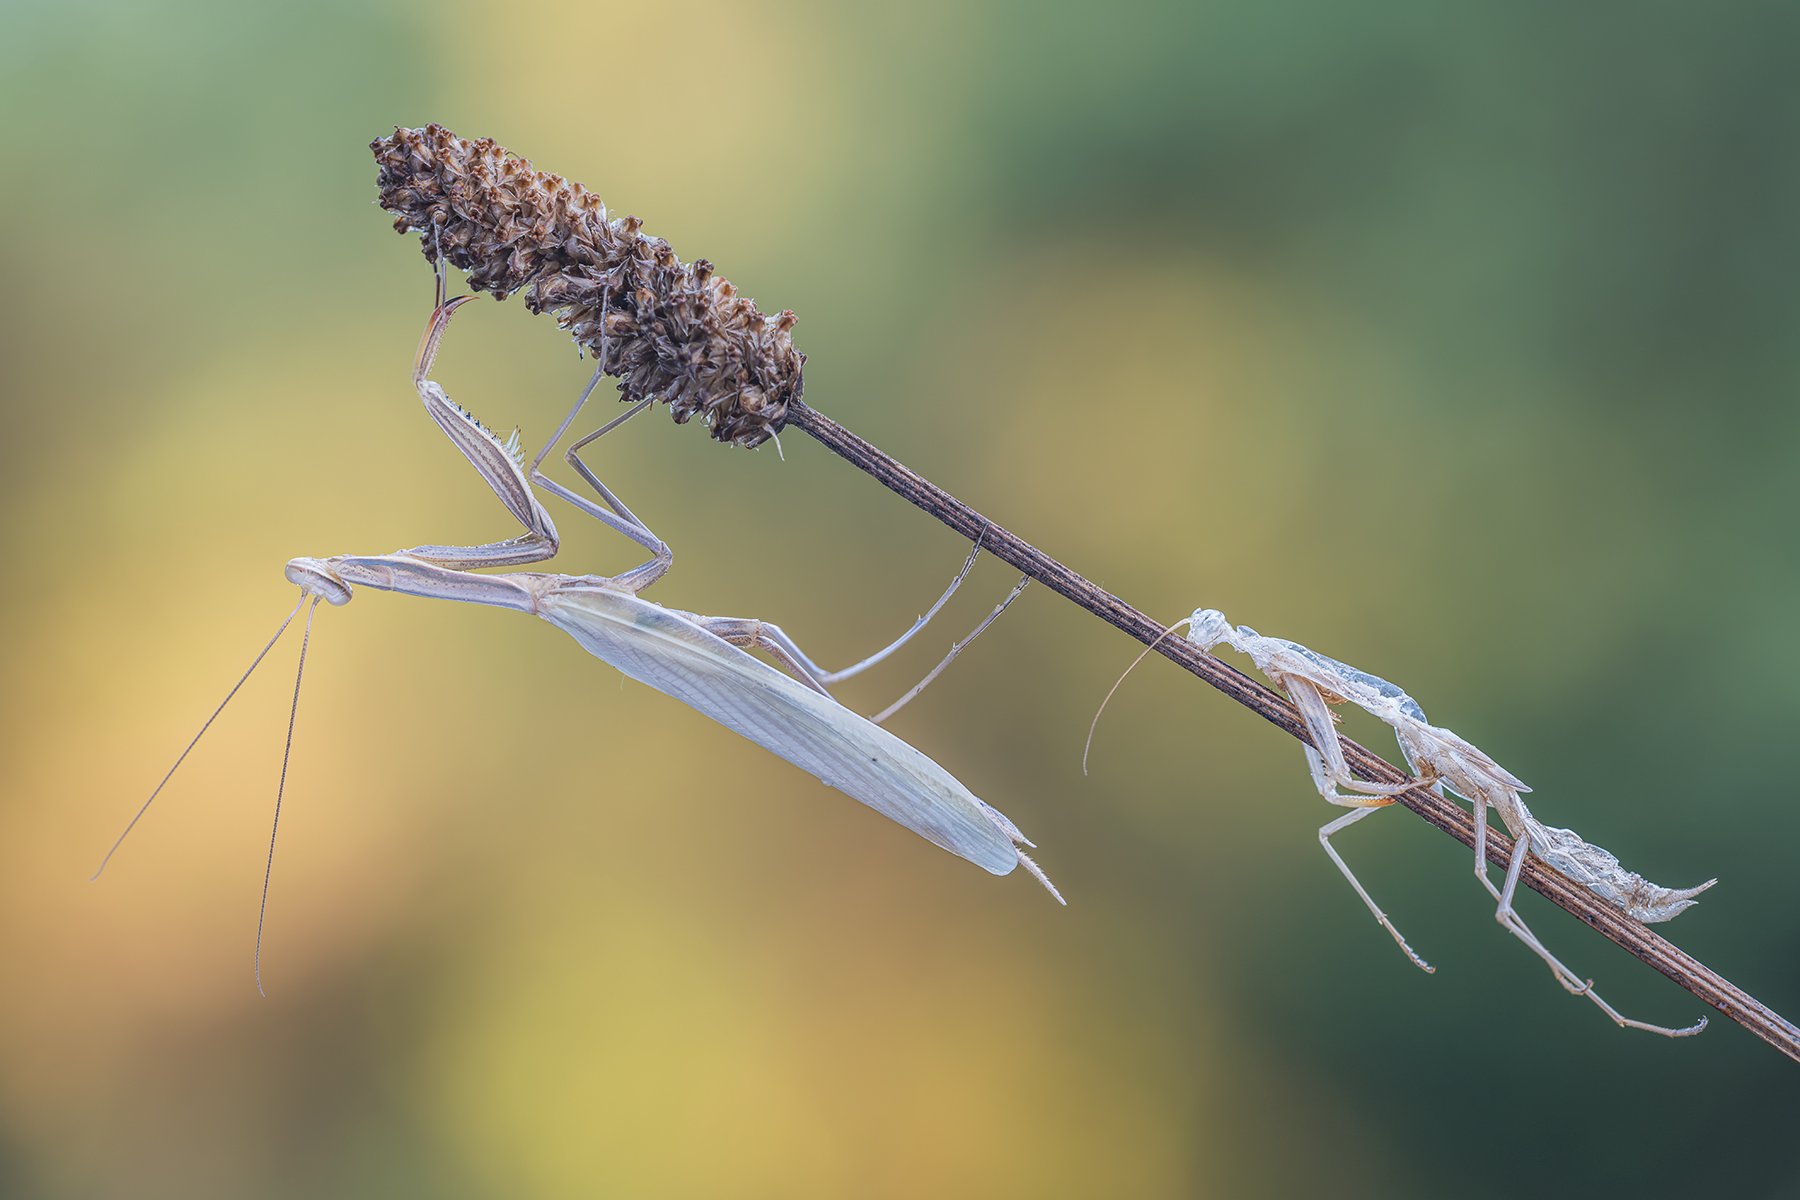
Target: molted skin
{"type": "Point", "coordinates": [1440, 759]}
{"type": "Point", "coordinates": [1436, 753]}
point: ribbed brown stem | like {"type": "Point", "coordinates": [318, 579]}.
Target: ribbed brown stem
{"type": "Point", "coordinates": [1443, 814]}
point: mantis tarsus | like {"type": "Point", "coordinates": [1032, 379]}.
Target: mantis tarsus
{"type": "Point", "coordinates": [699, 660]}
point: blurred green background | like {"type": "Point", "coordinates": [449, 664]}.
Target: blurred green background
{"type": "Point", "coordinates": [1453, 340]}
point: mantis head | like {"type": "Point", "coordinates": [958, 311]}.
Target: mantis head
{"type": "Point", "coordinates": [316, 578]}
{"type": "Point", "coordinates": [1206, 628]}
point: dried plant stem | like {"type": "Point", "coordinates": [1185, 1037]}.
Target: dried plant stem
{"type": "Point", "coordinates": [679, 333]}
{"type": "Point", "coordinates": [1443, 814]}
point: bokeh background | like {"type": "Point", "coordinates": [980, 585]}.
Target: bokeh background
{"type": "Point", "coordinates": [1456, 341]}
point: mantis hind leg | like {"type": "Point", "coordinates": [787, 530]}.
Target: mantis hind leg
{"type": "Point", "coordinates": [956, 648]}
{"type": "Point", "coordinates": [770, 638]}
{"type": "Point", "coordinates": [752, 634]}
{"type": "Point", "coordinates": [1571, 983]}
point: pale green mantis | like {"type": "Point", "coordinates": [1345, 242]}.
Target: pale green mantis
{"type": "Point", "coordinates": [700, 660]}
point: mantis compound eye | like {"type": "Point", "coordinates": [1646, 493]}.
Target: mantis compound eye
{"type": "Point", "coordinates": [318, 579]}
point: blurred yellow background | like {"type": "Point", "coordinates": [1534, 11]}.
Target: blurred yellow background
{"type": "Point", "coordinates": [1453, 341]}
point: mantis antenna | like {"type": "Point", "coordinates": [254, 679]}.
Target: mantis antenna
{"type": "Point", "coordinates": [280, 787]}
{"type": "Point", "coordinates": [287, 749]}
{"type": "Point", "coordinates": [1095, 723]}
{"type": "Point", "coordinates": [182, 757]}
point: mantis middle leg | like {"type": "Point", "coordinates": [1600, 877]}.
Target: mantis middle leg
{"type": "Point", "coordinates": [619, 519]}
{"type": "Point", "coordinates": [1363, 809]}
{"type": "Point", "coordinates": [740, 631]}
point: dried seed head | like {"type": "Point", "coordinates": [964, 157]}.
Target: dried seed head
{"type": "Point", "coordinates": [666, 329]}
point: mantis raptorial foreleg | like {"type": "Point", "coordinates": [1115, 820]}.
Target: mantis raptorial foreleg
{"type": "Point", "coordinates": [495, 461]}
{"type": "Point", "coordinates": [1325, 757]}
{"type": "Point", "coordinates": [500, 465]}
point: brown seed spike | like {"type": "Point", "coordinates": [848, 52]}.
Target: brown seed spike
{"type": "Point", "coordinates": [674, 331]}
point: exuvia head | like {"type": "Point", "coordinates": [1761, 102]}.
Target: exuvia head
{"type": "Point", "coordinates": [1206, 628]}
{"type": "Point", "coordinates": [316, 578]}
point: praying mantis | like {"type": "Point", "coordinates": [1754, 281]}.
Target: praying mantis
{"type": "Point", "coordinates": [1438, 758]}
{"type": "Point", "coordinates": [702, 661]}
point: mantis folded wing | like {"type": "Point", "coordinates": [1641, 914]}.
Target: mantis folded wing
{"type": "Point", "coordinates": [677, 654]}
